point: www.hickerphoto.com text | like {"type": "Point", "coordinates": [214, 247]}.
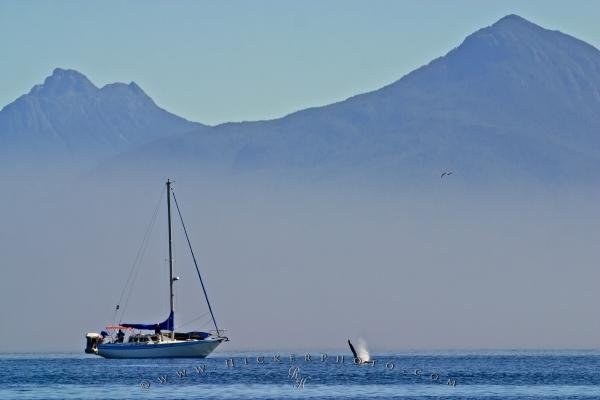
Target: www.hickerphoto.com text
{"type": "Point", "coordinates": [297, 360]}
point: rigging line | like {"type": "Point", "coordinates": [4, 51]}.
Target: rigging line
{"type": "Point", "coordinates": [193, 320]}
{"type": "Point", "coordinates": [133, 272]}
{"type": "Point", "coordinates": [128, 288]}
{"type": "Point", "coordinates": [195, 263]}
{"type": "Point", "coordinates": [142, 245]}
{"type": "Point", "coordinates": [143, 252]}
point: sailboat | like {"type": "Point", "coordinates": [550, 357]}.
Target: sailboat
{"type": "Point", "coordinates": [165, 342]}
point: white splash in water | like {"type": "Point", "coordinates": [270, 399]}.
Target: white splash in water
{"type": "Point", "coordinates": [361, 350]}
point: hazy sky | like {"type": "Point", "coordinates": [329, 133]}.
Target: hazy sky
{"type": "Point", "coordinates": [287, 267]}
{"type": "Point", "coordinates": [301, 268]}
{"type": "Point", "coordinates": [222, 61]}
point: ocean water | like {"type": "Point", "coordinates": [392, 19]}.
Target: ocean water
{"type": "Point", "coordinates": [418, 375]}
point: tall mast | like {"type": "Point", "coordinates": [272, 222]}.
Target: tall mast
{"type": "Point", "coordinates": [172, 296]}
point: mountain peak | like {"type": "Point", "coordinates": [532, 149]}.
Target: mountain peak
{"type": "Point", "coordinates": [513, 23]}
{"type": "Point", "coordinates": [67, 116]}
{"type": "Point", "coordinates": [514, 41]}
{"type": "Point", "coordinates": [62, 72]}
{"type": "Point", "coordinates": [64, 82]}
{"type": "Point", "coordinates": [513, 19]}
{"type": "Point", "coordinates": [136, 88]}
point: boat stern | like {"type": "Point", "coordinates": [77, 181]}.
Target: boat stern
{"type": "Point", "coordinates": [92, 340]}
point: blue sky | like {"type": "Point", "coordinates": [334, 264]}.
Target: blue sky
{"type": "Point", "coordinates": [217, 61]}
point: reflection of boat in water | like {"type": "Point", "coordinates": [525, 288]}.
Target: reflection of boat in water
{"type": "Point", "coordinates": [167, 344]}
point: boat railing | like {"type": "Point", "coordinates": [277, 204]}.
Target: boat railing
{"type": "Point", "coordinates": [219, 334]}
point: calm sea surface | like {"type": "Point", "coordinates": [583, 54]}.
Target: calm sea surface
{"type": "Point", "coordinates": [447, 375]}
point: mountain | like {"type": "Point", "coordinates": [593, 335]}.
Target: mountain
{"type": "Point", "coordinates": [68, 119]}
{"type": "Point", "coordinates": [513, 101]}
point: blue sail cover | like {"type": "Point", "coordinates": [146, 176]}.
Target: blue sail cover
{"type": "Point", "coordinates": [167, 325]}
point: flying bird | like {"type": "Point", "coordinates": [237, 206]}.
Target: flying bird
{"type": "Point", "coordinates": [446, 174]}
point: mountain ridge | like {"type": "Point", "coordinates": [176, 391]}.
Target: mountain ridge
{"type": "Point", "coordinates": [68, 119]}
{"type": "Point", "coordinates": [512, 100]}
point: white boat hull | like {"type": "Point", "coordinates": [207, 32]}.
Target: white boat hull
{"type": "Point", "coordinates": [170, 349]}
